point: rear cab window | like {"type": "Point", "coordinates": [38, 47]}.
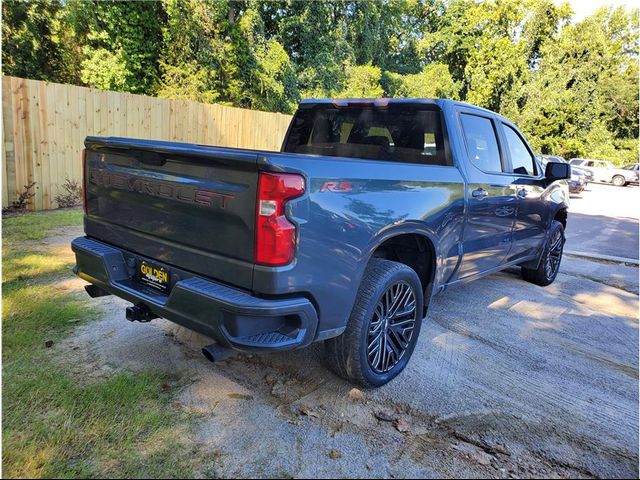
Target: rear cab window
{"type": "Point", "coordinates": [410, 133]}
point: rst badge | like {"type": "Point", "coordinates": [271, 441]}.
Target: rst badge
{"type": "Point", "coordinates": [339, 186]}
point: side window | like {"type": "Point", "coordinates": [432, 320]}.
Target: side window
{"type": "Point", "coordinates": [482, 143]}
{"type": "Point", "coordinates": [521, 158]}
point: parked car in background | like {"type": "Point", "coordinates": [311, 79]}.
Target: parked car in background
{"type": "Point", "coordinates": [634, 167]}
{"type": "Point", "coordinates": [586, 173]}
{"type": "Point", "coordinates": [604, 171]}
{"type": "Point", "coordinates": [578, 180]}
{"type": "Point", "coordinates": [576, 183]}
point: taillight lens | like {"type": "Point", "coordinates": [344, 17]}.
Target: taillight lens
{"type": "Point", "coordinates": [275, 234]}
{"type": "Point", "coordinates": [84, 180]}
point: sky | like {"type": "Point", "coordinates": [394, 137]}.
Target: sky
{"type": "Point", "coordinates": [584, 8]}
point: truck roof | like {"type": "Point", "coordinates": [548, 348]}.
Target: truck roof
{"type": "Point", "coordinates": [440, 102]}
{"type": "Point", "coordinates": [376, 101]}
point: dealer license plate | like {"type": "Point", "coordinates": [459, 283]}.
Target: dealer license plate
{"type": "Point", "coordinates": [154, 275]}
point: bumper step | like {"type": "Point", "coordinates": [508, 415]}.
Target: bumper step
{"type": "Point", "coordinates": [271, 338]}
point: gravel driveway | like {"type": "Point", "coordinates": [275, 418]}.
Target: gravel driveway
{"type": "Point", "coordinates": [508, 380]}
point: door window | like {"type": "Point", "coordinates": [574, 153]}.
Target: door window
{"type": "Point", "coordinates": [521, 158]}
{"type": "Point", "coordinates": [482, 143]}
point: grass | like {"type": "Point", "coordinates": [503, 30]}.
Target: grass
{"type": "Point", "coordinates": [55, 422]}
{"type": "Point", "coordinates": [36, 226]}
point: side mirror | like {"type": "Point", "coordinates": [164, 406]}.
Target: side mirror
{"type": "Point", "coordinates": [557, 171]}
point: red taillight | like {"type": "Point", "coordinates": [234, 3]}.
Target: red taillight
{"type": "Point", "coordinates": [275, 234]}
{"type": "Point", "coordinates": [84, 180]}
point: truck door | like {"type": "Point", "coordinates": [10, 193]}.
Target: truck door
{"type": "Point", "coordinates": [528, 182]}
{"type": "Point", "coordinates": [491, 197]}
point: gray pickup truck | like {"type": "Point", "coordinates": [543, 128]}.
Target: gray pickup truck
{"type": "Point", "coordinates": [370, 209]}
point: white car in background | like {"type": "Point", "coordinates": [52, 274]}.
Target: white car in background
{"type": "Point", "coordinates": [586, 173]}
{"type": "Point", "coordinates": [604, 171]}
{"type": "Point", "coordinates": [635, 168]}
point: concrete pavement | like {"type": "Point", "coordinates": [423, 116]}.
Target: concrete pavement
{"type": "Point", "coordinates": [603, 220]}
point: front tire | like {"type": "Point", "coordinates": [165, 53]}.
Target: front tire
{"type": "Point", "coordinates": [383, 328]}
{"type": "Point", "coordinates": [619, 181]}
{"type": "Point", "coordinates": [549, 264]}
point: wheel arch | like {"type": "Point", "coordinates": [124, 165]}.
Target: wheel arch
{"type": "Point", "coordinates": [416, 248]}
{"type": "Point", "coordinates": [561, 216]}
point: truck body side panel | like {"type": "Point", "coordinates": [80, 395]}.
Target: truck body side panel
{"type": "Point", "coordinates": [340, 230]}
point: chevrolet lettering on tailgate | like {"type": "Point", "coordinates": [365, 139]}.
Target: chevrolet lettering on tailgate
{"type": "Point", "coordinates": [157, 188]}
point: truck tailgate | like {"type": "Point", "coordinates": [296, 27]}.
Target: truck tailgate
{"type": "Point", "coordinates": [181, 204]}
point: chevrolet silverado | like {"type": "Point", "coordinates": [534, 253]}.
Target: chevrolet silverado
{"type": "Point", "coordinates": [370, 209]}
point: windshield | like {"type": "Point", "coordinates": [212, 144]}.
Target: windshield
{"type": "Point", "coordinates": [403, 133]}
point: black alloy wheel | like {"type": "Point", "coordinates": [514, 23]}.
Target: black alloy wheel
{"type": "Point", "coordinates": [554, 255]}
{"type": "Point", "coordinates": [391, 327]}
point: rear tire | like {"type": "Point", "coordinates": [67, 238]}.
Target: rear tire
{"type": "Point", "coordinates": [619, 181]}
{"type": "Point", "coordinates": [383, 328]}
{"type": "Point", "coordinates": [549, 264]}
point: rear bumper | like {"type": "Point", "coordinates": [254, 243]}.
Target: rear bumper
{"type": "Point", "coordinates": [231, 316]}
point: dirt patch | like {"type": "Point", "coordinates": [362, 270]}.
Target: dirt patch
{"type": "Point", "coordinates": [59, 240]}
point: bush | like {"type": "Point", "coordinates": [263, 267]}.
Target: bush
{"type": "Point", "coordinates": [24, 199]}
{"type": "Point", "coordinates": [72, 195]}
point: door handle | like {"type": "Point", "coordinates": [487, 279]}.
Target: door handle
{"type": "Point", "coordinates": [479, 193]}
{"type": "Point", "coordinates": [522, 193]}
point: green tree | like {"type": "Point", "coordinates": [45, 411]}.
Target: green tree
{"type": "Point", "coordinates": [268, 75]}
{"type": "Point", "coordinates": [314, 36]}
{"type": "Point", "coordinates": [197, 63]}
{"type": "Point", "coordinates": [386, 33]}
{"type": "Point", "coordinates": [584, 94]}
{"type": "Point", "coordinates": [31, 46]}
{"type": "Point", "coordinates": [219, 50]}
{"type": "Point", "coordinates": [434, 81]}
{"type": "Point", "coordinates": [572, 87]}
{"type": "Point", "coordinates": [122, 46]}
{"type": "Point", "coordinates": [362, 81]}
{"type": "Point", "coordinates": [478, 42]}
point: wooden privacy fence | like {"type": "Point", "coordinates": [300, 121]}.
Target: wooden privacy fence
{"type": "Point", "coordinates": [44, 126]}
